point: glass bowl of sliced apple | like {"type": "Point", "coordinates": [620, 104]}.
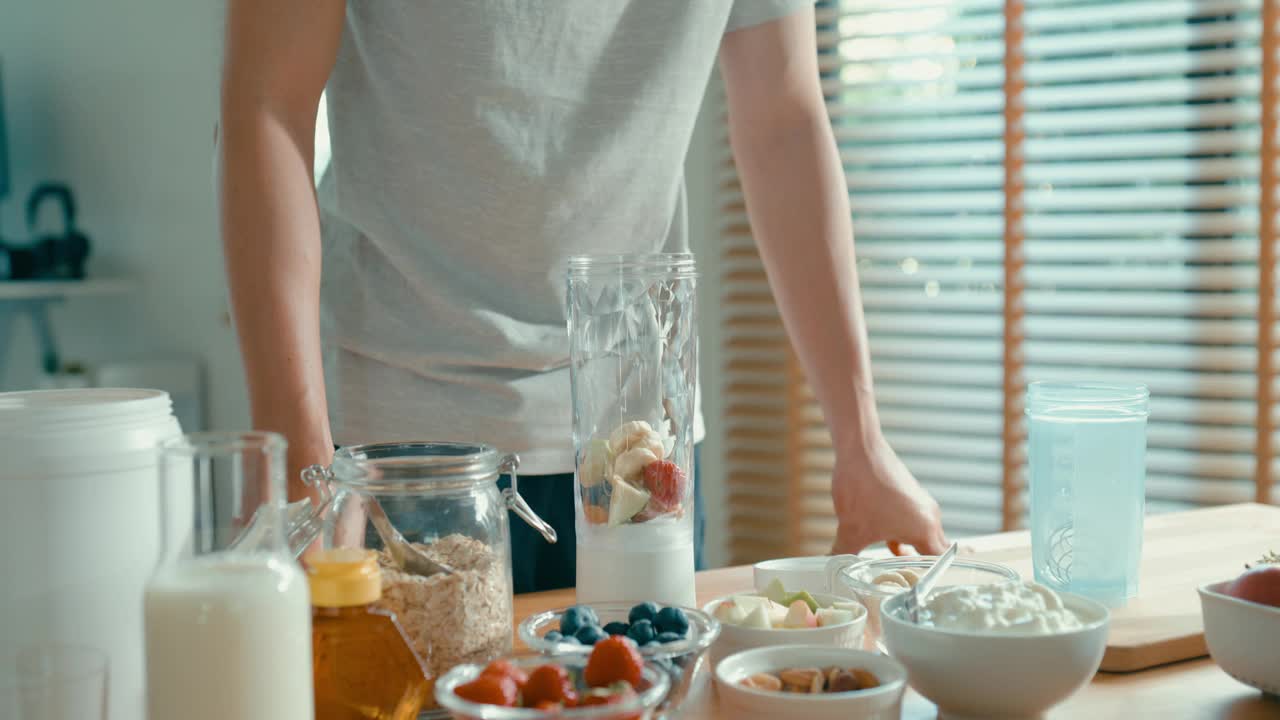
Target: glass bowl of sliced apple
{"type": "Point", "coordinates": [777, 616]}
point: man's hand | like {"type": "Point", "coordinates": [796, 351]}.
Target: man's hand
{"type": "Point", "coordinates": [876, 498]}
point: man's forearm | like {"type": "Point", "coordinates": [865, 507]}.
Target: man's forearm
{"type": "Point", "coordinates": [271, 237]}
{"type": "Point", "coordinates": [799, 207]}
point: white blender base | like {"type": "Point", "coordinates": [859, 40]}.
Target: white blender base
{"type": "Point", "coordinates": [664, 575]}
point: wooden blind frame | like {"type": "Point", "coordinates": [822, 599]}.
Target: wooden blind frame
{"type": "Point", "coordinates": [1264, 451]}
{"type": "Point", "coordinates": [1014, 386]}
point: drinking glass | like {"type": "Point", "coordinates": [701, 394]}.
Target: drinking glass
{"type": "Point", "coordinates": [1087, 454]}
{"type": "Point", "coordinates": [55, 682]}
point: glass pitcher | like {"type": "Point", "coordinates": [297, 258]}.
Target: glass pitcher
{"type": "Point", "coordinates": [633, 354]}
{"type": "Point", "coordinates": [228, 613]}
{"type": "Point", "coordinates": [444, 499]}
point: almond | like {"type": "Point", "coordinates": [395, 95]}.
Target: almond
{"type": "Point", "coordinates": [806, 680]}
{"type": "Point", "coordinates": [866, 680]}
{"type": "Point", "coordinates": [763, 681]}
{"type": "Point", "coordinates": [843, 681]}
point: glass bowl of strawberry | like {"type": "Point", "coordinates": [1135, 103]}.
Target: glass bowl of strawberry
{"type": "Point", "coordinates": [674, 638]}
{"type": "Point", "coordinates": [613, 682]}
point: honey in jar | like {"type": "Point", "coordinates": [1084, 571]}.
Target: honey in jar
{"type": "Point", "coordinates": [365, 668]}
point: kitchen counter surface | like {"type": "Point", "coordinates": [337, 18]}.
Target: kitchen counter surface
{"type": "Point", "coordinates": [1189, 689]}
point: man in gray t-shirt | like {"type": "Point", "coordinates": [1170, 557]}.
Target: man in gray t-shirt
{"type": "Point", "coordinates": [476, 145]}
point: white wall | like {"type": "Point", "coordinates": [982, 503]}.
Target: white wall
{"type": "Point", "coordinates": [119, 99]}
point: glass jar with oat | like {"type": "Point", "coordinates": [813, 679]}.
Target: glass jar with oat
{"type": "Point", "coordinates": [443, 498]}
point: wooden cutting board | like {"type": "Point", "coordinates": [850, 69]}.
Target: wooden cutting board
{"type": "Point", "coordinates": [1181, 552]}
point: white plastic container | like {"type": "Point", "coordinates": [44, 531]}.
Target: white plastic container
{"type": "Point", "coordinates": [78, 529]}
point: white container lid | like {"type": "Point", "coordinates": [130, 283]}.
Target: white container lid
{"type": "Point", "coordinates": [34, 410]}
{"type": "Point", "coordinates": [57, 432]}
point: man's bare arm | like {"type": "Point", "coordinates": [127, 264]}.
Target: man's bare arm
{"type": "Point", "coordinates": [277, 59]}
{"type": "Point", "coordinates": [798, 201]}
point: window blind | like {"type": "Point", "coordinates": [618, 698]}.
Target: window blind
{"type": "Point", "coordinates": [1110, 181]}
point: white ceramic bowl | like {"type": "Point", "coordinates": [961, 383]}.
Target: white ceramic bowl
{"type": "Point", "coordinates": [735, 638]}
{"type": "Point", "coordinates": [743, 703]}
{"type": "Point", "coordinates": [1243, 637]}
{"type": "Point", "coordinates": [796, 573]}
{"type": "Point", "coordinates": [988, 675]}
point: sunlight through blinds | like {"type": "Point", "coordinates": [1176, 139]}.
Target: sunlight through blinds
{"type": "Point", "coordinates": [1139, 221]}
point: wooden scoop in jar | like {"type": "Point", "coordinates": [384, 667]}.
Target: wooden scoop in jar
{"type": "Point", "coordinates": [403, 553]}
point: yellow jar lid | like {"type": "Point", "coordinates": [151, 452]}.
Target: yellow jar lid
{"type": "Point", "coordinates": [344, 577]}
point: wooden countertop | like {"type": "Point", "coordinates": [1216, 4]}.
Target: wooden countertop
{"type": "Point", "coordinates": [1189, 689]}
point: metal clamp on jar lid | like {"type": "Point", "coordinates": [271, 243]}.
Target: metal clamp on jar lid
{"type": "Point", "coordinates": [409, 468]}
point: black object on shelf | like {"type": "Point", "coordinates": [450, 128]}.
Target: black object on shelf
{"type": "Point", "coordinates": [54, 256]}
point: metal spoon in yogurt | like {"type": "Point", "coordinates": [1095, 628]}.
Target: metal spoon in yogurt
{"type": "Point", "coordinates": [918, 592]}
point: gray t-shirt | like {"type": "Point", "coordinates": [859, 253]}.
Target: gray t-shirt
{"type": "Point", "coordinates": [477, 144]}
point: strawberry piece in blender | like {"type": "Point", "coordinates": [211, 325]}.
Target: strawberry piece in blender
{"type": "Point", "coordinates": [665, 482]}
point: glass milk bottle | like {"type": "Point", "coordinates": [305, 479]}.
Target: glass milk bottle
{"type": "Point", "coordinates": [1087, 455]}
{"type": "Point", "coordinates": [633, 349]}
{"type": "Point", "coordinates": [228, 613]}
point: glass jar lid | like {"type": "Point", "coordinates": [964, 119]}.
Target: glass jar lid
{"type": "Point", "coordinates": [676, 265]}
{"type": "Point", "coordinates": [409, 468]}
{"type": "Point", "coordinates": [418, 466]}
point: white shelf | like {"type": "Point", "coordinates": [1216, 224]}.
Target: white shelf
{"type": "Point", "coordinates": [34, 298]}
{"type": "Point", "coordinates": [56, 289]}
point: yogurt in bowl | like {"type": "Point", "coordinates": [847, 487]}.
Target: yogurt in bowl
{"type": "Point", "coordinates": [871, 582]}
{"type": "Point", "coordinates": [1010, 608]}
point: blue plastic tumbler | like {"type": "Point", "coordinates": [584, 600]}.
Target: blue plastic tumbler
{"type": "Point", "coordinates": [1087, 452]}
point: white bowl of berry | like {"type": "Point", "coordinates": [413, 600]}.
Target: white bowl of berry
{"type": "Point", "coordinates": [674, 638]}
{"type": "Point", "coordinates": [777, 616]}
{"type": "Point", "coordinates": [614, 682]}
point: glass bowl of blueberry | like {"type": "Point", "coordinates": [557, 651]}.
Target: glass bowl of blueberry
{"type": "Point", "coordinates": [674, 638]}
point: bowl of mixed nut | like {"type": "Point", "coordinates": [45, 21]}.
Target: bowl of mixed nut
{"type": "Point", "coordinates": [815, 682]}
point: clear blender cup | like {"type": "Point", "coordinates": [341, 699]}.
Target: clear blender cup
{"type": "Point", "coordinates": [1087, 453]}
{"type": "Point", "coordinates": [633, 349]}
